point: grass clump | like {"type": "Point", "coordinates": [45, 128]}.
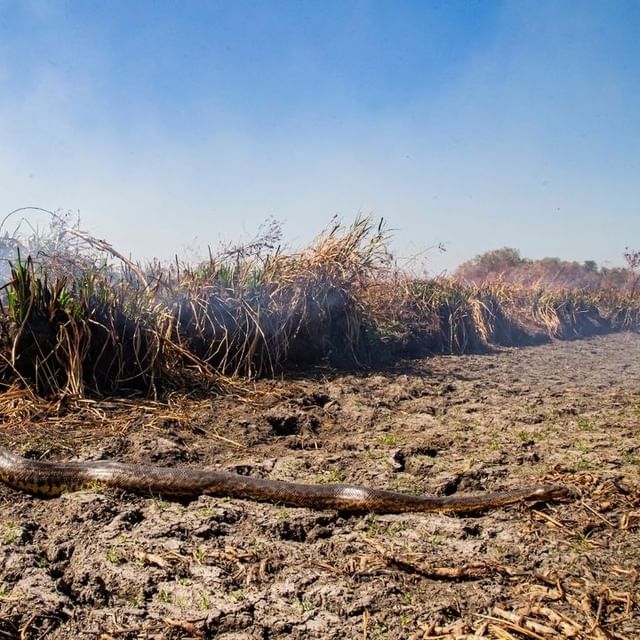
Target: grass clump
{"type": "Point", "coordinates": [79, 318]}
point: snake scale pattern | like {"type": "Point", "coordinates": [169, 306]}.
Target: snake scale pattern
{"type": "Point", "coordinates": [54, 478]}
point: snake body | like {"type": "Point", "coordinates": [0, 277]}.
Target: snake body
{"type": "Point", "coordinates": [54, 478]}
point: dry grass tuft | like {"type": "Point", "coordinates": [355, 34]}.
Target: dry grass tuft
{"type": "Point", "coordinates": [78, 318]}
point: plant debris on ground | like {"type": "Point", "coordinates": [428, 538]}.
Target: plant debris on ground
{"type": "Point", "coordinates": [310, 365]}
{"type": "Point", "coordinates": [107, 565]}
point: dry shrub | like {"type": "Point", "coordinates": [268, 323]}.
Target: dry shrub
{"type": "Point", "coordinates": [63, 337]}
{"type": "Point", "coordinates": [252, 314]}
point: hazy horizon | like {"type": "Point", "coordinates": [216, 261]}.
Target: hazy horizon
{"type": "Point", "coordinates": [475, 125]}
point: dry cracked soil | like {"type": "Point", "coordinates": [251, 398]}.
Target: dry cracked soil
{"type": "Point", "coordinates": [111, 565]}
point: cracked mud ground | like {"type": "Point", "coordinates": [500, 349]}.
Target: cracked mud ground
{"type": "Point", "coordinates": [112, 565]}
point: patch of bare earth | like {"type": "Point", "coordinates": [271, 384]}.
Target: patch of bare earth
{"type": "Point", "coordinates": [108, 565]}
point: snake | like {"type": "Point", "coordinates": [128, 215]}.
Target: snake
{"type": "Point", "coordinates": [51, 479]}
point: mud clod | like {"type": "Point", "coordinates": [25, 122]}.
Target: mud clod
{"type": "Point", "coordinates": [284, 425]}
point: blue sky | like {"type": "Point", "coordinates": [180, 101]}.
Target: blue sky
{"type": "Point", "coordinates": [173, 125]}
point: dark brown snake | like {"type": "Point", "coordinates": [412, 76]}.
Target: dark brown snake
{"type": "Point", "coordinates": [54, 478]}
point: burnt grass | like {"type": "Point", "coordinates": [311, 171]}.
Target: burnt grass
{"type": "Point", "coordinates": [111, 565]}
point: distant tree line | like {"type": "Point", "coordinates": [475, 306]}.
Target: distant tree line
{"type": "Point", "coordinates": [508, 265]}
